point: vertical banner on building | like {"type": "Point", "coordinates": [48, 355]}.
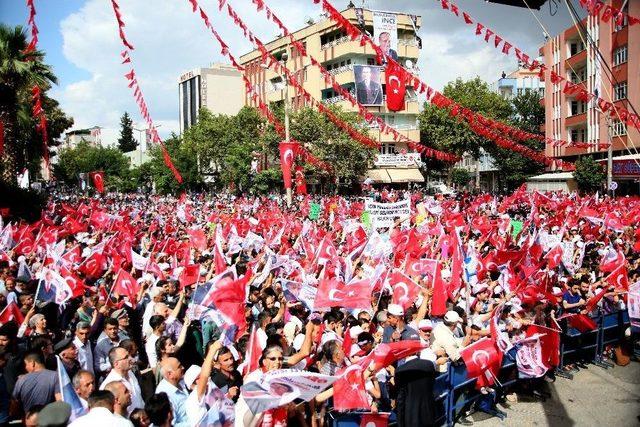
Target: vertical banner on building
{"type": "Point", "coordinates": [385, 32]}
{"type": "Point", "coordinates": [368, 86]}
{"type": "Point", "coordinates": [360, 17]}
{"type": "Point", "coordinates": [414, 24]}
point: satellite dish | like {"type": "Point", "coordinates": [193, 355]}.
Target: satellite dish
{"type": "Point", "coordinates": [408, 63]}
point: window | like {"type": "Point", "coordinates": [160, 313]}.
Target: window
{"type": "Point", "coordinates": [579, 75]}
{"type": "Point", "coordinates": [370, 61]}
{"type": "Point", "coordinates": [578, 107]}
{"type": "Point", "coordinates": [578, 135]}
{"type": "Point", "coordinates": [620, 91]}
{"type": "Point", "coordinates": [348, 61]}
{"type": "Point", "coordinates": [575, 47]}
{"type": "Point", "coordinates": [620, 55]}
{"type": "Point", "coordinates": [342, 63]}
{"type": "Point", "coordinates": [618, 128]}
{"type": "Point", "coordinates": [388, 148]}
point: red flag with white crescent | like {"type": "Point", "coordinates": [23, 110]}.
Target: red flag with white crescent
{"type": "Point", "coordinates": [98, 180]}
{"type": "Point", "coordinates": [301, 183]}
{"type": "Point", "coordinates": [395, 87]}
{"type": "Point", "coordinates": [287, 156]}
{"type": "Point", "coordinates": [482, 360]}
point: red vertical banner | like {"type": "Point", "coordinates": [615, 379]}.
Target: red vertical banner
{"type": "Point", "coordinates": [287, 156]}
{"type": "Point", "coordinates": [301, 182]}
{"type": "Point", "coordinates": [98, 180]}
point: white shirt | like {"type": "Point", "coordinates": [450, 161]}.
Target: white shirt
{"type": "Point", "coordinates": [85, 356]}
{"type": "Point", "coordinates": [101, 417]}
{"type": "Point", "coordinates": [131, 382]}
{"type": "Point", "coordinates": [150, 348]}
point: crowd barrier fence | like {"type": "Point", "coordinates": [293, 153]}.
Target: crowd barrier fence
{"type": "Point", "coordinates": [453, 391]}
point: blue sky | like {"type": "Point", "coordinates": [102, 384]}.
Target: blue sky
{"type": "Point", "coordinates": [49, 15]}
{"type": "Point", "coordinates": [80, 40]}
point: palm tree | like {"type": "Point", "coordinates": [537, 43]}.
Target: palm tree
{"type": "Point", "coordinates": [19, 72]}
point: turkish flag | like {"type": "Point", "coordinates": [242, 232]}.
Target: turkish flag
{"type": "Point", "coordinates": [582, 322]}
{"type": "Point", "coordinates": [198, 238]}
{"type": "Point", "coordinates": [619, 278]}
{"type": "Point", "coordinates": [611, 260]}
{"type": "Point", "coordinates": [482, 360]}
{"type": "Point", "coordinates": [287, 156]}
{"type": "Point", "coordinates": [554, 257]}
{"type": "Point", "coordinates": [349, 392]}
{"type": "Point", "coordinates": [254, 351]}
{"type": "Point", "coordinates": [326, 251]}
{"type": "Point", "coordinates": [395, 87]}
{"type": "Point", "coordinates": [25, 246]}
{"type": "Point", "coordinates": [126, 285]}
{"type": "Point", "coordinates": [11, 312]}
{"type": "Point", "coordinates": [335, 293]}
{"type": "Point", "coordinates": [422, 267]}
{"type": "Point", "coordinates": [189, 275]}
{"type": "Point", "coordinates": [74, 282]}
{"type": "Point", "coordinates": [301, 183]}
{"type": "Point", "coordinates": [405, 290]}
{"type": "Point", "coordinates": [374, 420]}
{"type": "Point", "coordinates": [387, 353]}
{"type": "Point", "coordinates": [98, 180]}
{"type": "Point", "coordinates": [549, 343]}
{"type": "Point", "coordinates": [93, 266]}
{"type": "Point", "coordinates": [73, 255]}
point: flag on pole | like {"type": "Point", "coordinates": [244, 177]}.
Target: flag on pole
{"type": "Point", "coordinates": [68, 393]}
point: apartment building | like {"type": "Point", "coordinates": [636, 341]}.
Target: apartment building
{"type": "Point", "coordinates": [605, 59]}
{"type": "Point", "coordinates": [344, 59]}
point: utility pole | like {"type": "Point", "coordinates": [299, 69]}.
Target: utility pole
{"type": "Point", "coordinates": [609, 157]}
{"type": "Point", "coordinates": [283, 61]}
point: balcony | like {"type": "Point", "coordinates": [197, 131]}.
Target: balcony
{"type": "Point", "coordinates": [576, 119]}
{"type": "Point", "coordinates": [344, 46]}
{"type": "Point", "coordinates": [577, 60]}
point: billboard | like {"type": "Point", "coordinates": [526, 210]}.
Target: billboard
{"type": "Point", "coordinates": [368, 86]}
{"type": "Point", "coordinates": [385, 32]}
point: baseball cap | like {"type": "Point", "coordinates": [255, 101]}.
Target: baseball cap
{"type": "Point", "coordinates": [425, 325]}
{"type": "Point", "coordinates": [395, 310]}
{"type": "Point", "coordinates": [452, 317]}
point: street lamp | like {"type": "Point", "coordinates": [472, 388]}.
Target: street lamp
{"type": "Point", "coordinates": [283, 63]}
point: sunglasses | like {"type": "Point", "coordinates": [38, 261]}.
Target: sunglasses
{"type": "Point", "coordinates": [275, 359]}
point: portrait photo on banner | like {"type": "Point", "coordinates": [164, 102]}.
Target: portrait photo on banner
{"type": "Point", "coordinates": [368, 87]}
{"type": "Point", "coordinates": [385, 33]}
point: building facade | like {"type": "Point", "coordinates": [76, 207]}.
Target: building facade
{"type": "Point", "coordinates": [219, 88]}
{"type": "Point", "coordinates": [483, 169]}
{"type": "Point", "coordinates": [517, 82]}
{"type": "Point", "coordinates": [74, 137]}
{"type": "Point", "coordinates": [606, 61]}
{"type": "Point", "coordinates": [343, 58]}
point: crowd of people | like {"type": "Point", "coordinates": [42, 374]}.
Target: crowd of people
{"type": "Point", "coordinates": [220, 310]}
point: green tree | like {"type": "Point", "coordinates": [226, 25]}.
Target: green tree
{"type": "Point", "coordinates": [349, 159]}
{"type": "Point", "coordinates": [85, 158]}
{"type": "Point", "coordinates": [444, 132]}
{"type": "Point", "coordinates": [126, 142]}
{"type": "Point", "coordinates": [589, 174]}
{"type": "Point", "coordinates": [28, 138]}
{"type": "Point", "coordinates": [460, 176]}
{"type": "Point", "coordinates": [19, 72]}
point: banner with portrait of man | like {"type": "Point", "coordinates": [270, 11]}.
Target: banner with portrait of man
{"type": "Point", "coordinates": [368, 86]}
{"type": "Point", "coordinates": [385, 32]}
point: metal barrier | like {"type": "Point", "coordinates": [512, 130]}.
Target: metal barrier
{"type": "Point", "coordinates": [453, 391]}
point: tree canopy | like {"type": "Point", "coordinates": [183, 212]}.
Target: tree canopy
{"type": "Point", "coordinates": [441, 131]}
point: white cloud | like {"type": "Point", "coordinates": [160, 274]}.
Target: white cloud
{"type": "Point", "coordinates": [170, 39]}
